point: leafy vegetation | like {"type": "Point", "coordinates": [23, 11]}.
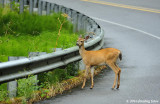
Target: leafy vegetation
{"type": "Point", "coordinates": [26, 87]}
{"type": "Point", "coordinates": [58, 75]}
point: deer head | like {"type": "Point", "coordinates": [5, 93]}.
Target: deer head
{"type": "Point", "coordinates": [80, 41]}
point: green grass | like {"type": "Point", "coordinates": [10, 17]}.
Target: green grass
{"type": "Point", "coordinates": [23, 44]}
{"type": "Point", "coordinates": [17, 24]}
{"type": "Point", "coordinates": [24, 33]}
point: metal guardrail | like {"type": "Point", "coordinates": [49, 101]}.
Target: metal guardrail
{"type": "Point", "coordinates": [21, 68]}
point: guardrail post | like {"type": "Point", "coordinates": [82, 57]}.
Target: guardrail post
{"type": "Point", "coordinates": [52, 7]}
{"type": "Point", "coordinates": [48, 8]}
{"type": "Point", "coordinates": [35, 3]}
{"type": "Point", "coordinates": [31, 6]}
{"type": "Point", "coordinates": [12, 85]}
{"type": "Point", "coordinates": [25, 2]}
{"type": "Point", "coordinates": [43, 5]}
{"type": "Point", "coordinates": [60, 8]}
{"type": "Point", "coordinates": [56, 9]}
{"type": "Point", "coordinates": [88, 26]}
{"type": "Point", "coordinates": [79, 27]}
{"type": "Point", "coordinates": [2, 3]}
{"type": "Point", "coordinates": [12, 88]}
{"type": "Point", "coordinates": [63, 10]}
{"type": "Point", "coordinates": [69, 12]}
{"type": "Point", "coordinates": [84, 22]}
{"type": "Point", "coordinates": [94, 25]}
{"type": "Point", "coordinates": [40, 7]}
{"type": "Point", "coordinates": [74, 20]}
{"type": "Point", "coordinates": [21, 6]}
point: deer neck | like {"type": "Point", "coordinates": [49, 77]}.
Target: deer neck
{"type": "Point", "coordinates": [82, 50]}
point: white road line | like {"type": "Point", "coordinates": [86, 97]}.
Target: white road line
{"type": "Point", "coordinates": [149, 34]}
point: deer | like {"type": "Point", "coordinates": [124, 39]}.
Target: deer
{"type": "Point", "coordinates": [107, 56]}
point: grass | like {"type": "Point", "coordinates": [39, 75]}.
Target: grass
{"type": "Point", "coordinates": [13, 23]}
{"type": "Point", "coordinates": [24, 33]}
{"type": "Point", "coordinates": [23, 44]}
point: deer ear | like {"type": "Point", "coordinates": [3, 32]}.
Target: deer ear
{"type": "Point", "coordinates": [87, 37]}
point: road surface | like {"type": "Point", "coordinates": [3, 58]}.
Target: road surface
{"type": "Point", "coordinates": [132, 26]}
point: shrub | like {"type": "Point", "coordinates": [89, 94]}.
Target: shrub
{"type": "Point", "coordinates": [57, 75]}
{"type": "Point", "coordinates": [27, 86]}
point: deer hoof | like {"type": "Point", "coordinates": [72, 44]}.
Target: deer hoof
{"type": "Point", "coordinates": [91, 87]}
{"type": "Point", "coordinates": [117, 88]}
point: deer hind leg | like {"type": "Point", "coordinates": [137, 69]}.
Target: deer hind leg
{"type": "Point", "coordinates": [119, 72]}
{"type": "Point", "coordinates": [115, 69]}
{"type": "Point", "coordinates": [92, 75]}
{"type": "Point", "coordinates": [85, 76]}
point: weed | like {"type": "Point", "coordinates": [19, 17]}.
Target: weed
{"type": "Point", "coordinates": [27, 86]}
{"type": "Point", "coordinates": [60, 28]}
{"type": "Point", "coordinates": [3, 95]}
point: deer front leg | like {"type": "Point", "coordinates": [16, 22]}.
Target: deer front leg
{"type": "Point", "coordinates": [85, 76]}
{"type": "Point", "coordinates": [92, 75]}
{"type": "Point", "coordinates": [114, 68]}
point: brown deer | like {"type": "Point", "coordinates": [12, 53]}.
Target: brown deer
{"type": "Point", "coordinates": [107, 56]}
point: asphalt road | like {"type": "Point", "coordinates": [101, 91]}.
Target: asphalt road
{"type": "Point", "coordinates": [137, 34]}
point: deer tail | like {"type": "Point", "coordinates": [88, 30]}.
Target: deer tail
{"type": "Point", "coordinates": [120, 56]}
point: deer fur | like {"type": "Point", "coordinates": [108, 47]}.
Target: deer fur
{"type": "Point", "coordinates": [107, 56]}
